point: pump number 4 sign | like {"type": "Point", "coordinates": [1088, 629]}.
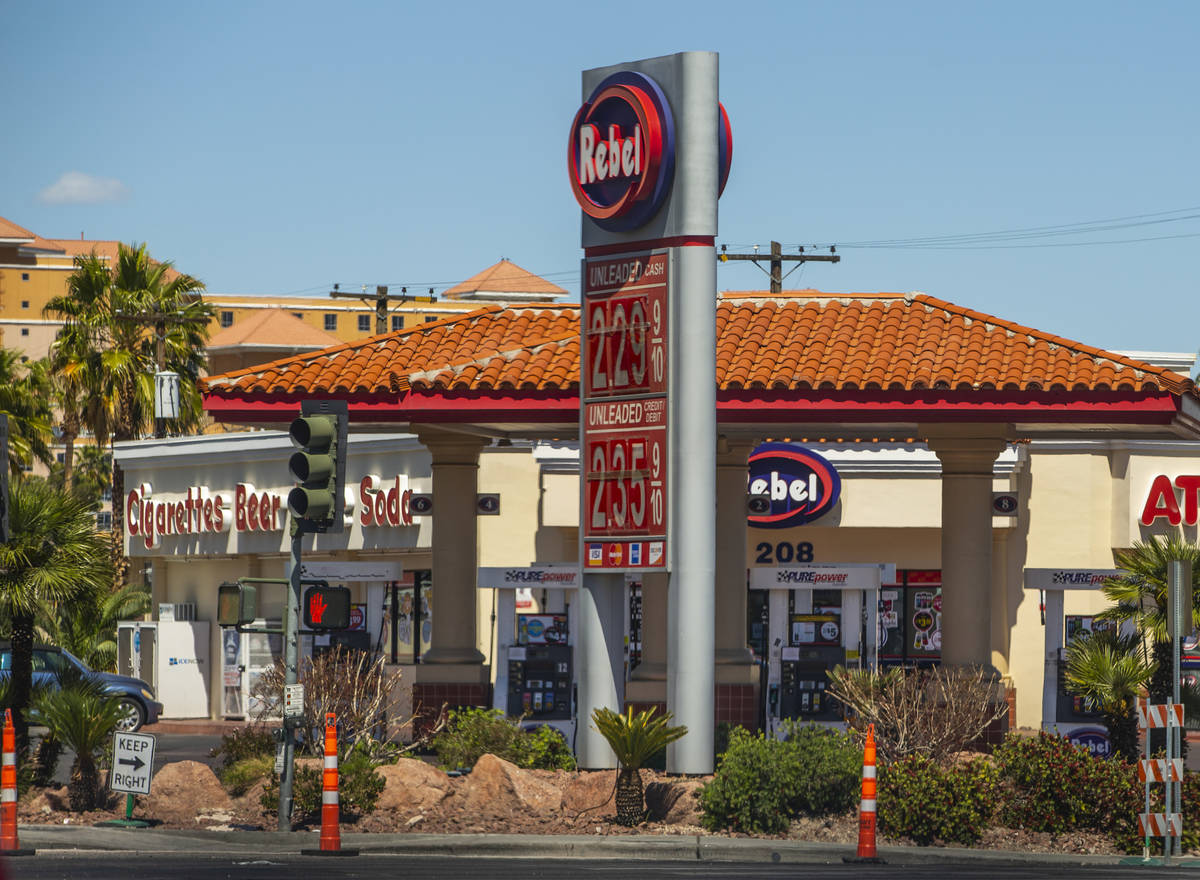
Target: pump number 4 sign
{"type": "Point", "coordinates": [133, 762]}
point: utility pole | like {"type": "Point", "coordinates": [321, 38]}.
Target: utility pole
{"type": "Point", "coordinates": [381, 302]}
{"type": "Point", "coordinates": [778, 258]}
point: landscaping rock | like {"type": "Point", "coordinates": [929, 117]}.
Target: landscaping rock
{"type": "Point", "coordinates": [674, 801]}
{"type": "Point", "coordinates": [411, 786]}
{"type": "Point", "coordinates": [495, 786]}
{"type": "Point", "coordinates": [184, 789]}
{"type": "Point", "coordinates": [590, 793]}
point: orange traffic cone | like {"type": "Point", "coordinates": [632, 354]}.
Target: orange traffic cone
{"type": "Point", "coordinates": [8, 792]}
{"type": "Point", "coordinates": [866, 810]}
{"type": "Point", "coordinates": [331, 838]}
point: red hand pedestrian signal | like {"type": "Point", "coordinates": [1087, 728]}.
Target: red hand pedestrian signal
{"type": "Point", "coordinates": [326, 607]}
{"type": "Point", "coordinates": [316, 607]}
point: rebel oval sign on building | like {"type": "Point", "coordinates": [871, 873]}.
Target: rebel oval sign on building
{"type": "Point", "coordinates": [799, 484]}
{"type": "Point", "coordinates": [621, 151]}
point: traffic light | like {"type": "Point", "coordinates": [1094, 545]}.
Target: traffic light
{"type": "Point", "coordinates": [237, 604]}
{"type": "Point", "coordinates": [326, 607]}
{"type": "Point", "coordinates": [319, 467]}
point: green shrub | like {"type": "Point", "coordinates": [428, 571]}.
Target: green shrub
{"type": "Point", "coordinates": [752, 786]}
{"type": "Point", "coordinates": [359, 787]}
{"type": "Point", "coordinates": [240, 776]}
{"type": "Point", "coordinates": [761, 783]}
{"type": "Point", "coordinates": [1051, 785]}
{"type": "Point", "coordinates": [255, 741]}
{"type": "Point", "coordinates": [830, 762]}
{"type": "Point", "coordinates": [471, 733]}
{"type": "Point", "coordinates": [545, 748]}
{"type": "Point", "coordinates": [924, 802]}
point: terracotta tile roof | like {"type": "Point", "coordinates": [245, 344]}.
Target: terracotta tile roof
{"type": "Point", "coordinates": [11, 231]}
{"type": "Point", "coordinates": [489, 348]}
{"type": "Point", "coordinates": [78, 247]}
{"type": "Point", "coordinates": [504, 277]}
{"type": "Point", "coordinates": [800, 340]}
{"type": "Point", "coordinates": [272, 327]}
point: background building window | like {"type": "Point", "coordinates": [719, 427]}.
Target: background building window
{"type": "Point", "coordinates": [364, 323]}
{"type": "Point", "coordinates": [24, 276]}
{"type": "Point", "coordinates": [24, 303]}
{"type": "Point", "coordinates": [299, 316]}
{"type": "Point", "coordinates": [330, 321]}
{"type": "Point", "coordinates": [104, 521]}
{"type": "Point", "coordinates": [397, 322]}
{"type": "Point", "coordinates": [24, 331]}
{"type": "Point", "coordinates": [429, 318]}
{"type": "Point", "coordinates": [226, 319]}
{"type": "Point", "coordinates": [61, 457]}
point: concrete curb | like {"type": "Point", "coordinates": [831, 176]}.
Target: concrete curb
{"type": "Point", "coordinates": [681, 848]}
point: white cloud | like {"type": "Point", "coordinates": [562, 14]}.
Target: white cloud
{"type": "Point", "coordinates": [77, 188]}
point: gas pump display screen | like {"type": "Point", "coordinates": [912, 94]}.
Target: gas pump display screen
{"type": "Point", "coordinates": [541, 629]}
{"type": "Point", "coordinates": [821, 626]}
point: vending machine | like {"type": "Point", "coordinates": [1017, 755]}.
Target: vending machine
{"type": "Point", "coordinates": [818, 617]}
{"type": "Point", "coordinates": [533, 664]}
{"type": "Point", "coordinates": [910, 618]}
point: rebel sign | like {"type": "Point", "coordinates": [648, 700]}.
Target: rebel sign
{"type": "Point", "coordinates": [621, 151]}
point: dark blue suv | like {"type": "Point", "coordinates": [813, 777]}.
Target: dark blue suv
{"type": "Point", "coordinates": [137, 697]}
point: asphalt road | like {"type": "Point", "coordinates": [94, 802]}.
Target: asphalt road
{"type": "Point", "coordinates": [74, 865]}
{"type": "Point", "coordinates": [168, 748]}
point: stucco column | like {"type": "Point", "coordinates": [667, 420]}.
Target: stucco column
{"type": "Point", "coordinates": [967, 464]}
{"type": "Point", "coordinates": [653, 666]}
{"type": "Point", "coordinates": [455, 552]}
{"type": "Point", "coordinates": [731, 646]}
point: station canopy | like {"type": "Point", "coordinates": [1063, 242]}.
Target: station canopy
{"type": "Point", "coordinates": [798, 364]}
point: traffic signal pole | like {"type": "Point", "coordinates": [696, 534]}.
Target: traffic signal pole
{"type": "Point", "coordinates": [291, 676]}
{"type": "Point", "coordinates": [315, 505]}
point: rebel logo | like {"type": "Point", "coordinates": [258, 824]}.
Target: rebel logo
{"type": "Point", "coordinates": [797, 485]}
{"type": "Point", "coordinates": [621, 151]}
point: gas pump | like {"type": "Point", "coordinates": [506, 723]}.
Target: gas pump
{"type": "Point", "coordinates": [1063, 712]}
{"type": "Point", "coordinates": [818, 617]}
{"type": "Point", "coordinates": [533, 666]}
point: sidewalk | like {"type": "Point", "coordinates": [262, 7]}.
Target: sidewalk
{"type": "Point", "coordinates": [194, 725]}
{"type": "Point", "coordinates": [683, 848]}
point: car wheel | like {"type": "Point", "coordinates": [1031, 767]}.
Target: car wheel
{"type": "Point", "coordinates": [133, 716]}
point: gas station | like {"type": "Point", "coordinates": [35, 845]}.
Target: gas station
{"type": "Point", "coordinates": [922, 457]}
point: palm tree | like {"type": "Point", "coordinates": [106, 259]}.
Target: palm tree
{"type": "Point", "coordinates": [87, 625]}
{"type": "Point", "coordinates": [121, 325]}
{"type": "Point", "coordinates": [1140, 597]}
{"type": "Point", "coordinates": [1110, 671]}
{"type": "Point", "coordinates": [23, 398]}
{"type": "Point", "coordinates": [53, 554]}
{"type": "Point", "coordinates": [82, 717]}
{"type": "Point", "coordinates": [634, 739]}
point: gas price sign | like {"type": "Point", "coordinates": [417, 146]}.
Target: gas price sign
{"type": "Point", "coordinates": [625, 329]}
{"type": "Point", "coordinates": [626, 468]}
{"type": "Point", "coordinates": [624, 369]}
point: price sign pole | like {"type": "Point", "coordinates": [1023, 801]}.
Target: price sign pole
{"type": "Point", "coordinates": [648, 154]}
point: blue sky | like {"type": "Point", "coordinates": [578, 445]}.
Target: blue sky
{"type": "Point", "coordinates": [277, 148]}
